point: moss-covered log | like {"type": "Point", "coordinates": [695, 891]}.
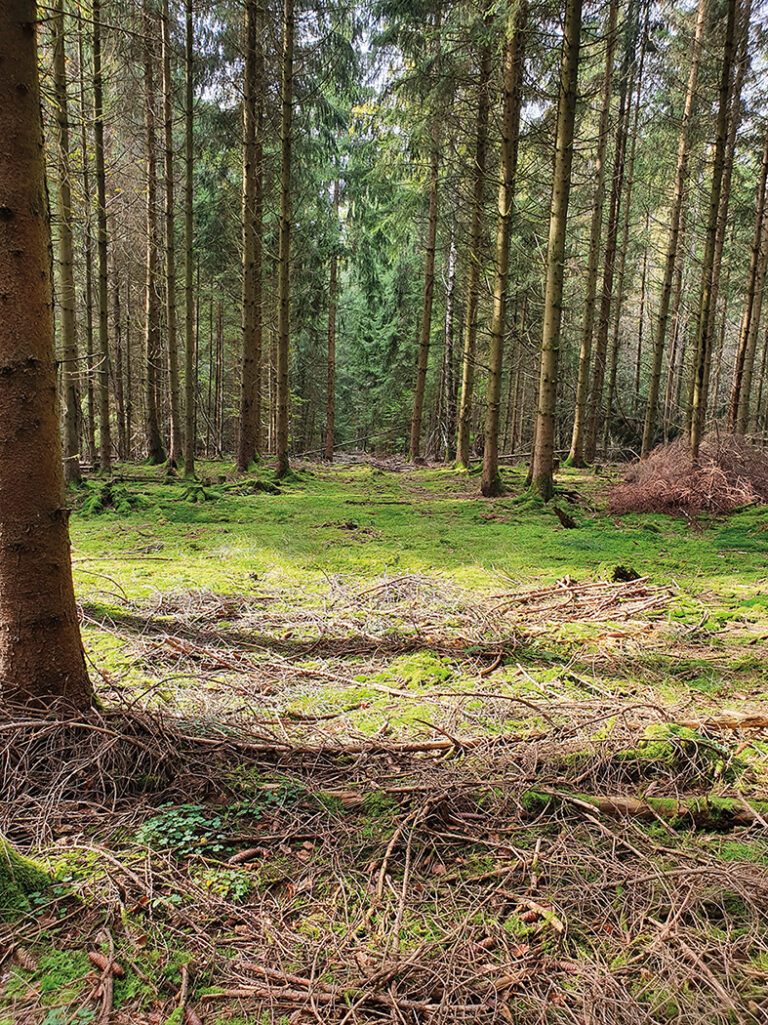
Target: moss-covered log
{"type": "Point", "coordinates": [705, 812]}
{"type": "Point", "coordinates": [19, 877]}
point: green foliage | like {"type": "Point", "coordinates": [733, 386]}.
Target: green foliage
{"type": "Point", "coordinates": [183, 829]}
{"type": "Point", "coordinates": [197, 491]}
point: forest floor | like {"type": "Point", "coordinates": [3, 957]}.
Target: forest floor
{"type": "Point", "coordinates": [375, 749]}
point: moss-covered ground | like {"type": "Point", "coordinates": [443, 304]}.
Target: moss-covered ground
{"type": "Point", "coordinates": [363, 608]}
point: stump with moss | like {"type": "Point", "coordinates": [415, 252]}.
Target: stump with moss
{"type": "Point", "coordinates": [19, 877]}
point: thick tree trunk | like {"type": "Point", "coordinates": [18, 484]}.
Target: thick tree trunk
{"type": "Point", "coordinates": [190, 355]}
{"type": "Point", "coordinates": [330, 387]}
{"type": "Point", "coordinates": [249, 442]}
{"type": "Point", "coordinates": [675, 214]}
{"type": "Point", "coordinates": [704, 326]}
{"type": "Point", "coordinates": [105, 432]}
{"type": "Point", "coordinates": [542, 467]}
{"type": "Point", "coordinates": [41, 655]}
{"type": "Point", "coordinates": [155, 450]}
{"type": "Point", "coordinates": [175, 452]}
{"type": "Point", "coordinates": [284, 253]}
{"type": "Point", "coordinates": [69, 362]}
{"type": "Point", "coordinates": [474, 260]}
{"type": "Point", "coordinates": [514, 58]}
{"type": "Point", "coordinates": [576, 455]}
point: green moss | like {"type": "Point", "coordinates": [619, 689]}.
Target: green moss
{"type": "Point", "coordinates": [20, 877]}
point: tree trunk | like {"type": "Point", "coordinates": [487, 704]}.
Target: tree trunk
{"type": "Point", "coordinates": [429, 292]}
{"type": "Point", "coordinates": [41, 654]}
{"type": "Point", "coordinates": [514, 59]}
{"type": "Point", "coordinates": [448, 426]}
{"type": "Point", "coordinates": [249, 442]}
{"type": "Point", "coordinates": [576, 456]}
{"type": "Point", "coordinates": [474, 259]}
{"type": "Point", "coordinates": [330, 390]}
{"type": "Point", "coordinates": [704, 326]}
{"type": "Point", "coordinates": [70, 371]}
{"type": "Point", "coordinates": [105, 434]}
{"type": "Point", "coordinates": [595, 404]}
{"type": "Point", "coordinates": [284, 254]}
{"type": "Point", "coordinates": [542, 467]}
{"type": "Point", "coordinates": [678, 193]}
{"type": "Point", "coordinates": [190, 360]}
{"type": "Point", "coordinates": [175, 452]}
{"type": "Point", "coordinates": [122, 447]}
{"type": "Point", "coordinates": [747, 334]}
{"type": "Point", "coordinates": [155, 450]}
{"type": "Point", "coordinates": [90, 424]}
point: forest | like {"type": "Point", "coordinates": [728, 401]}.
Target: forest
{"type": "Point", "coordinates": [383, 512]}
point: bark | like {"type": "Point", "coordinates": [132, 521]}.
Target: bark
{"type": "Point", "coordinates": [284, 253]}
{"type": "Point", "coordinates": [749, 328]}
{"type": "Point", "coordinates": [429, 292]}
{"type": "Point", "coordinates": [190, 357]}
{"type": "Point", "coordinates": [175, 452]}
{"type": "Point", "coordinates": [630, 176]}
{"type": "Point", "coordinates": [128, 385]}
{"type": "Point", "coordinates": [448, 376]}
{"type": "Point", "coordinates": [70, 371]}
{"type": "Point", "coordinates": [542, 467]}
{"type": "Point", "coordinates": [249, 442]}
{"type": "Point", "coordinates": [330, 390]}
{"type": "Point", "coordinates": [704, 326]}
{"type": "Point", "coordinates": [90, 420]}
{"type": "Point", "coordinates": [155, 450]}
{"type": "Point", "coordinates": [41, 655]}
{"type": "Point", "coordinates": [514, 58]}
{"type": "Point", "coordinates": [122, 447]}
{"type": "Point", "coordinates": [576, 456]}
{"type": "Point", "coordinates": [474, 260]}
{"type": "Point", "coordinates": [678, 193]}
{"type": "Point", "coordinates": [105, 433]}
{"type": "Point", "coordinates": [595, 405]}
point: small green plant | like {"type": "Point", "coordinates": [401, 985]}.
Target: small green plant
{"type": "Point", "coordinates": [185, 829]}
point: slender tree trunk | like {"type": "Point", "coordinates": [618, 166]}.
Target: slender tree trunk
{"type": "Point", "coordinates": [595, 405]}
{"type": "Point", "coordinates": [90, 425]}
{"type": "Point", "coordinates": [190, 362]}
{"type": "Point", "coordinates": [514, 59]}
{"type": "Point", "coordinates": [175, 452]}
{"type": "Point", "coordinates": [542, 467]}
{"type": "Point", "coordinates": [677, 294]}
{"type": "Point", "coordinates": [429, 292]}
{"type": "Point", "coordinates": [678, 193]}
{"type": "Point", "coordinates": [748, 332]}
{"type": "Point", "coordinates": [330, 389]}
{"type": "Point", "coordinates": [155, 450]}
{"type": "Point", "coordinates": [105, 434]}
{"type": "Point", "coordinates": [703, 330]}
{"type": "Point", "coordinates": [576, 455]}
{"type": "Point", "coordinates": [284, 255]}
{"type": "Point", "coordinates": [122, 447]}
{"type": "Point", "coordinates": [70, 372]}
{"type": "Point", "coordinates": [613, 361]}
{"type": "Point", "coordinates": [218, 416]}
{"type": "Point", "coordinates": [41, 654]}
{"type": "Point", "coordinates": [474, 259]}
{"type": "Point", "coordinates": [448, 376]}
{"type": "Point", "coordinates": [128, 365]}
{"type": "Point", "coordinates": [249, 442]}
{"type": "Point", "coordinates": [643, 301]}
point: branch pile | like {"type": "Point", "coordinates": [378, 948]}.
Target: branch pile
{"type": "Point", "coordinates": [730, 473]}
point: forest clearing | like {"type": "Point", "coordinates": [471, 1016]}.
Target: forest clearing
{"type": "Point", "coordinates": [394, 753]}
{"type": "Point", "coordinates": [383, 512]}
